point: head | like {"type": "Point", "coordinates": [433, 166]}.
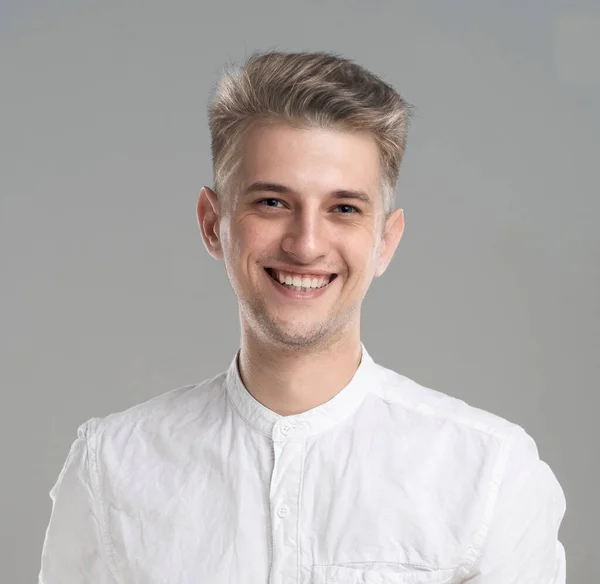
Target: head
{"type": "Point", "coordinates": [306, 152]}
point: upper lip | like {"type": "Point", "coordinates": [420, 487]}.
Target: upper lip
{"type": "Point", "coordinates": [301, 271]}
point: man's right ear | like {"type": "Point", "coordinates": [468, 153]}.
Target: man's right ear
{"type": "Point", "coordinates": [207, 211]}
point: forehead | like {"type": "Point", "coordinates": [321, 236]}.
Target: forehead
{"type": "Point", "coordinates": [312, 159]}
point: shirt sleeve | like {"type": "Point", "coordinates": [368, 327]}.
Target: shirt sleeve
{"type": "Point", "coordinates": [520, 544]}
{"type": "Point", "coordinates": [73, 550]}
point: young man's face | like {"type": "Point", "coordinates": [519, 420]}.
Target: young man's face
{"type": "Point", "coordinates": [288, 217]}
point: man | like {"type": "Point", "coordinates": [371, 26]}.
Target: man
{"type": "Point", "coordinates": [305, 462]}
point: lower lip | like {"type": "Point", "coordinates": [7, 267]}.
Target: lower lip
{"type": "Point", "coordinates": [289, 293]}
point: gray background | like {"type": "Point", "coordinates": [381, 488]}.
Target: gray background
{"type": "Point", "coordinates": [109, 298]}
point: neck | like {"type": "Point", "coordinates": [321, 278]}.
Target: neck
{"type": "Point", "coordinates": [290, 381]}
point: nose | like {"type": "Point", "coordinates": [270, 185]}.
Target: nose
{"type": "Point", "coordinates": [306, 237]}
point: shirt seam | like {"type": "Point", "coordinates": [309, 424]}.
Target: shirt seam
{"type": "Point", "coordinates": [106, 538]}
{"type": "Point", "coordinates": [298, 506]}
{"type": "Point", "coordinates": [480, 536]}
{"type": "Point", "coordinates": [500, 432]}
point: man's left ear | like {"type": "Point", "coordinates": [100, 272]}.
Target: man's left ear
{"type": "Point", "coordinates": [393, 230]}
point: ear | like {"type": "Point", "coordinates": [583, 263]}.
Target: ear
{"type": "Point", "coordinates": [393, 230]}
{"type": "Point", "coordinates": [207, 211]}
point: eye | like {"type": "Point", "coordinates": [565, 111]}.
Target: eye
{"type": "Point", "coordinates": [262, 202]}
{"type": "Point", "coordinates": [352, 207]}
{"type": "Point", "coordinates": [272, 203]}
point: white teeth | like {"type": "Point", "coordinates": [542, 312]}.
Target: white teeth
{"type": "Point", "coordinates": [300, 282]}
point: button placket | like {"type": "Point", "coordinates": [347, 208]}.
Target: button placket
{"type": "Point", "coordinates": [284, 495]}
{"type": "Point", "coordinates": [287, 429]}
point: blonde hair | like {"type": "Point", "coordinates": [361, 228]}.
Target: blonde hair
{"type": "Point", "coordinates": [305, 90]}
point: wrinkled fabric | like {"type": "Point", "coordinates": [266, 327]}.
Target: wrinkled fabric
{"type": "Point", "coordinates": [389, 482]}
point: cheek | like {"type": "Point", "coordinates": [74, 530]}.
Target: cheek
{"type": "Point", "coordinates": [252, 239]}
{"type": "Point", "coordinates": [361, 254]}
{"type": "Point", "coordinates": [257, 243]}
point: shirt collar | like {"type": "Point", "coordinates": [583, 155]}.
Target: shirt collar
{"type": "Point", "coordinates": [300, 426]}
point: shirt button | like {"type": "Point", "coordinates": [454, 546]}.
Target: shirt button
{"type": "Point", "coordinates": [283, 511]}
{"type": "Point", "coordinates": [286, 429]}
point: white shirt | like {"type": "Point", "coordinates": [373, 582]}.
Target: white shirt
{"type": "Point", "coordinates": [389, 482]}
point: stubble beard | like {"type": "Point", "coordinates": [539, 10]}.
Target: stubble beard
{"type": "Point", "coordinates": [288, 335]}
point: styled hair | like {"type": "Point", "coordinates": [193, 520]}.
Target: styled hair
{"type": "Point", "coordinates": [305, 90]}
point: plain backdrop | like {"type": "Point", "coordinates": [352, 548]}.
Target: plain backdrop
{"type": "Point", "coordinates": [109, 298]}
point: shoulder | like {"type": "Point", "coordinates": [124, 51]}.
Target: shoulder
{"type": "Point", "coordinates": [490, 470]}
{"type": "Point", "coordinates": [469, 437]}
{"type": "Point", "coordinates": [437, 408]}
{"type": "Point", "coordinates": [155, 416]}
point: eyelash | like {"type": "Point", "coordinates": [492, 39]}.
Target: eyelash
{"type": "Point", "coordinates": [356, 209]}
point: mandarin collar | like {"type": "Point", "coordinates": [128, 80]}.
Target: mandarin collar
{"type": "Point", "coordinates": [298, 427]}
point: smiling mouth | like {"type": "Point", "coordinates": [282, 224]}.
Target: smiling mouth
{"type": "Point", "coordinates": [273, 276]}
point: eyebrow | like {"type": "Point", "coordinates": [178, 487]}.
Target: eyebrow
{"type": "Point", "coordinates": [282, 189]}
